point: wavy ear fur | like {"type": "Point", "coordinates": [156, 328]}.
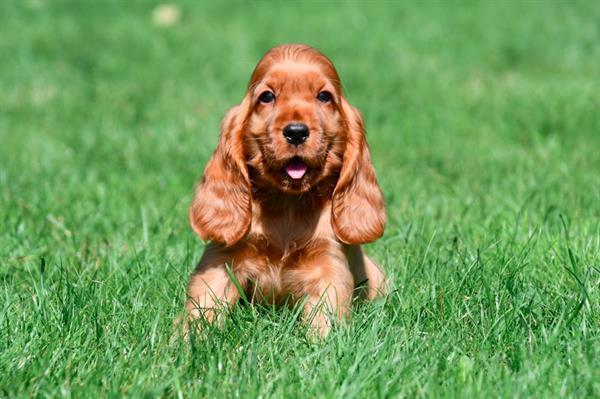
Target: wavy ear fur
{"type": "Point", "coordinates": [358, 210]}
{"type": "Point", "coordinates": [222, 206]}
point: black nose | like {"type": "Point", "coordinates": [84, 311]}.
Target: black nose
{"type": "Point", "coordinates": [295, 133]}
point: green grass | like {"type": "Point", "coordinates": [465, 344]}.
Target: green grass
{"type": "Point", "coordinates": [484, 125]}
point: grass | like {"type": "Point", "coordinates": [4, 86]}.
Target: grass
{"type": "Point", "coordinates": [484, 127]}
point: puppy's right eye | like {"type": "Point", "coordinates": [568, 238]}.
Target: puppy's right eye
{"type": "Point", "coordinates": [266, 97]}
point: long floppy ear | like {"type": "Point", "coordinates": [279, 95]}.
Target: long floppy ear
{"type": "Point", "coordinates": [358, 210]}
{"type": "Point", "coordinates": [222, 207]}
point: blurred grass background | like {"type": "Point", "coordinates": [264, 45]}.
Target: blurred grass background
{"type": "Point", "coordinates": [484, 125]}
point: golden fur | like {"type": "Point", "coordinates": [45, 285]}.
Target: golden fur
{"type": "Point", "coordinates": [288, 239]}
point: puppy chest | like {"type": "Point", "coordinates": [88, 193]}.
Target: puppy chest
{"type": "Point", "coordinates": [290, 229]}
{"type": "Point", "coordinates": [272, 275]}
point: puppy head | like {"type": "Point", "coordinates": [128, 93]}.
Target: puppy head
{"type": "Point", "coordinates": [292, 130]}
{"type": "Point", "coordinates": [295, 133]}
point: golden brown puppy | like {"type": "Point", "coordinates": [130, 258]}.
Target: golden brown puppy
{"type": "Point", "coordinates": [288, 195]}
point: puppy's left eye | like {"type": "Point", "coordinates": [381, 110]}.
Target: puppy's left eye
{"type": "Point", "coordinates": [324, 96]}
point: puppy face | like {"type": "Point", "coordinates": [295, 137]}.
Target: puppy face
{"type": "Point", "coordinates": [295, 134]}
{"type": "Point", "coordinates": [292, 130]}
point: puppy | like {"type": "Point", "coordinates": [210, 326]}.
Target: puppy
{"type": "Point", "coordinates": [288, 196]}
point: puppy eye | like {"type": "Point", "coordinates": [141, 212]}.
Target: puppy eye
{"type": "Point", "coordinates": [266, 97]}
{"type": "Point", "coordinates": [324, 96]}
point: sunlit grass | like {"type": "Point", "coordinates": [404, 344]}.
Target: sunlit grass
{"type": "Point", "coordinates": [484, 129]}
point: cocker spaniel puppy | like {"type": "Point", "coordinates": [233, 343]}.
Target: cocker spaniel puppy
{"type": "Point", "coordinates": [288, 196]}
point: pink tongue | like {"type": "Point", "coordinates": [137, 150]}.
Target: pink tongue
{"type": "Point", "coordinates": [296, 169]}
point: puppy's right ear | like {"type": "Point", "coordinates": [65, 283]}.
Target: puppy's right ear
{"type": "Point", "coordinates": [222, 207]}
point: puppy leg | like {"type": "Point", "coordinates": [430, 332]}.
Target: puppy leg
{"type": "Point", "coordinates": [210, 288]}
{"type": "Point", "coordinates": [368, 277]}
{"type": "Point", "coordinates": [376, 280]}
{"type": "Point", "coordinates": [325, 280]}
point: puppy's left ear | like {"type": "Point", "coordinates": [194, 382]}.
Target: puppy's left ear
{"type": "Point", "coordinates": [358, 210]}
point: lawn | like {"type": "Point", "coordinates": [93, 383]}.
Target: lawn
{"type": "Point", "coordinates": [484, 125]}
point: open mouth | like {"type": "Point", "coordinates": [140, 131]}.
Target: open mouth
{"type": "Point", "coordinates": [296, 168]}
